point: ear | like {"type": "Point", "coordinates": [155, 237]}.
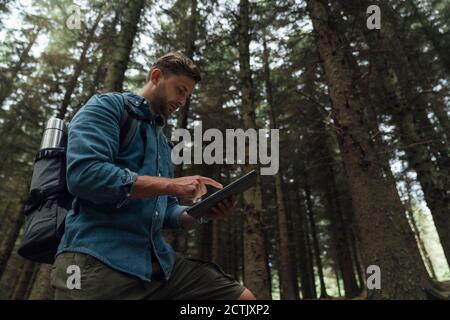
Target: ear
{"type": "Point", "coordinates": [155, 76]}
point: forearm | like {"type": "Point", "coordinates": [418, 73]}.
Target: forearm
{"type": "Point", "coordinates": [147, 186]}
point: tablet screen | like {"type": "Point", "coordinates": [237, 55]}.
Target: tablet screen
{"type": "Point", "coordinates": [242, 184]}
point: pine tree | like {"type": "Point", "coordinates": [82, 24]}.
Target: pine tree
{"type": "Point", "coordinates": [374, 214]}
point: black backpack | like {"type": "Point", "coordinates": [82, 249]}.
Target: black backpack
{"type": "Point", "coordinates": [49, 199]}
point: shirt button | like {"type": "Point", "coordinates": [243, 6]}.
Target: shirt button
{"type": "Point", "coordinates": [156, 213]}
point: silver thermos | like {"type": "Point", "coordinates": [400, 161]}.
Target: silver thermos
{"type": "Point", "coordinates": [53, 134]}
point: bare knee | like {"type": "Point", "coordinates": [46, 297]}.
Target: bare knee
{"type": "Point", "coordinates": [247, 295]}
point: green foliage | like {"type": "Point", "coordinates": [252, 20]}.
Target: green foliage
{"type": "Point", "coordinates": [32, 89]}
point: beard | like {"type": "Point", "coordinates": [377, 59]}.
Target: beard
{"type": "Point", "coordinates": [160, 102]}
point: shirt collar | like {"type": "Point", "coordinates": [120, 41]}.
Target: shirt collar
{"type": "Point", "coordinates": [159, 119]}
{"type": "Point", "coordinates": [146, 111]}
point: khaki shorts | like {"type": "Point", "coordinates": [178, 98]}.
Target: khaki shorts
{"type": "Point", "coordinates": [191, 279]}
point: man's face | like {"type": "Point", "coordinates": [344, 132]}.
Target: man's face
{"type": "Point", "coordinates": [172, 92]}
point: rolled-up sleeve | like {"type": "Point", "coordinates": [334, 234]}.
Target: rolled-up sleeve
{"type": "Point", "coordinates": [93, 144]}
{"type": "Point", "coordinates": [173, 214]}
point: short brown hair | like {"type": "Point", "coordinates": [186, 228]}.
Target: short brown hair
{"type": "Point", "coordinates": [176, 63]}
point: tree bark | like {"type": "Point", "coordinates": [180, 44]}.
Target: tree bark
{"type": "Point", "coordinates": [14, 71]}
{"type": "Point", "coordinates": [215, 248]}
{"type": "Point", "coordinates": [182, 120]}
{"type": "Point", "coordinates": [286, 272]}
{"type": "Point", "coordinates": [105, 49]}
{"type": "Point", "coordinates": [316, 249]}
{"type": "Point", "coordinates": [307, 279]}
{"type": "Point", "coordinates": [408, 115]}
{"type": "Point", "coordinates": [190, 51]}
{"type": "Point", "coordinates": [340, 233]}
{"type": "Point", "coordinates": [42, 289]}
{"type": "Point", "coordinates": [440, 110]}
{"type": "Point", "coordinates": [79, 66]}
{"type": "Point", "coordinates": [205, 241]}
{"type": "Point", "coordinates": [376, 218]}
{"type": "Point", "coordinates": [24, 281]}
{"type": "Point", "coordinates": [255, 264]}
{"type": "Point", "coordinates": [341, 238]}
{"type": "Point", "coordinates": [9, 277]}
{"type": "Point", "coordinates": [115, 74]}
{"type": "Point", "coordinates": [14, 222]}
{"type": "Point", "coordinates": [415, 228]}
{"type": "Point", "coordinates": [305, 266]}
{"type": "Point", "coordinates": [432, 34]}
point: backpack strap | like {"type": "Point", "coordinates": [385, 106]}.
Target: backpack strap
{"type": "Point", "coordinates": [128, 124]}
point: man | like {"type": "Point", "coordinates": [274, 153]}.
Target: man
{"type": "Point", "coordinates": [125, 197]}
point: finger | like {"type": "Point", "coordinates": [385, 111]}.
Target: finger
{"type": "Point", "coordinates": [197, 200]}
{"type": "Point", "coordinates": [197, 197]}
{"type": "Point", "coordinates": [203, 188]}
{"type": "Point", "coordinates": [200, 190]}
{"type": "Point", "coordinates": [191, 193]}
{"type": "Point", "coordinates": [209, 181]}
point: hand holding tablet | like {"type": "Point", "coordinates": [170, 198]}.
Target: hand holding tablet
{"type": "Point", "coordinates": [203, 207]}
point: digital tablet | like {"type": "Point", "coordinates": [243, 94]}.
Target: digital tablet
{"type": "Point", "coordinates": [203, 207]}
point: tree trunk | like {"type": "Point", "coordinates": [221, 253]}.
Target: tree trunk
{"type": "Point", "coordinates": [407, 113]}
{"type": "Point", "coordinates": [305, 266]}
{"type": "Point", "coordinates": [215, 248]}
{"type": "Point", "coordinates": [438, 146]}
{"type": "Point", "coordinates": [79, 66]}
{"type": "Point", "coordinates": [4, 217]}
{"type": "Point", "coordinates": [190, 51]}
{"type": "Point", "coordinates": [333, 205]}
{"type": "Point", "coordinates": [341, 238]}
{"type": "Point", "coordinates": [237, 246]}
{"type": "Point", "coordinates": [336, 274]}
{"type": "Point", "coordinates": [14, 71]}
{"type": "Point", "coordinates": [115, 74]}
{"type": "Point", "coordinates": [416, 230]}
{"type": "Point", "coordinates": [287, 283]}
{"type": "Point", "coordinates": [307, 279]}
{"type": "Point", "coordinates": [255, 265]}
{"type": "Point", "coordinates": [433, 35]}
{"type": "Point", "coordinates": [376, 218]}
{"type": "Point", "coordinates": [323, 290]}
{"type": "Point", "coordinates": [440, 110]}
{"type": "Point", "coordinates": [292, 230]}
{"type": "Point", "coordinates": [42, 289]}
{"type": "Point", "coordinates": [205, 241]}
{"type": "Point", "coordinates": [105, 49]}
{"type": "Point", "coordinates": [13, 224]}
{"type": "Point", "coordinates": [24, 281]}
{"type": "Point", "coordinates": [183, 115]}
{"type": "Point", "coordinates": [9, 277]}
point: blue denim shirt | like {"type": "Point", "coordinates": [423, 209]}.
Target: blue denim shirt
{"type": "Point", "coordinates": [120, 232]}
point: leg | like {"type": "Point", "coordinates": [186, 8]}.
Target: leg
{"type": "Point", "coordinates": [97, 280]}
{"type": "Point", "coordinates": [247, 295]}
{"type": "Point", "coordinates": [195, 279]}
